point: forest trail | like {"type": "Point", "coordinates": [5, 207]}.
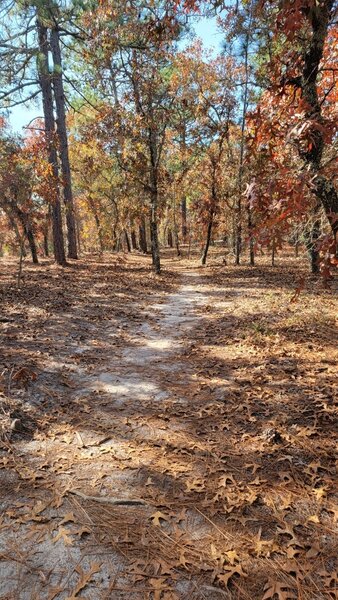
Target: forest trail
{"type": "Point", "coordinates": [152, 356]}
{"type": "Point", "coordinates": [186, 391]}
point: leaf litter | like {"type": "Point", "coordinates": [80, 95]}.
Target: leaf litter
{"type": "Point", "coordinates": [206, 395]}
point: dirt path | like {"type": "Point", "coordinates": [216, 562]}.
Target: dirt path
{"type": "Point", "coordinates": [152, 356]}
{"type": "Point", "coordinates": [137, 379]}
{"type": "Point", "coordinates": [197, 401]}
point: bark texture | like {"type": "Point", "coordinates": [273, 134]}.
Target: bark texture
{"type": "Point", "coordinates": [63, 143]}
{"type": "Point", "coordinates": [47, 104]}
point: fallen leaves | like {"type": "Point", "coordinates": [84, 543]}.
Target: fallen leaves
{"type": "Point", "coordinates": [157, 517]}
{"type": "Point", "coordinates": [228, 572]}
{"type": "Point", "coordinates": [85, 577]}
{"type": "Point", "coordinates": [245, 437]}
{"type": "Point", "coordinates": [281, 590]}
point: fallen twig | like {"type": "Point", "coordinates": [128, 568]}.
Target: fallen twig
{"type": "Point", "coordinates": [110, 500]}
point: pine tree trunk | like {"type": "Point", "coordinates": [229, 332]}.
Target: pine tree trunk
{"type": "Point", "coordinates": [238, 207]}
{"type": "Point", "coordinates": [47, 103]}
{"type": "Point", "coordinates": [63, 143]}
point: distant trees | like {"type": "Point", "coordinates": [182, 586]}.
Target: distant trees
{"type": "Point", "coordinates": [165, 143]}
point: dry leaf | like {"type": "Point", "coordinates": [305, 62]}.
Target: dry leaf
{"type": "Point", "coordinates": [228, 572]}
{"type": "Point", "coordinates": [85, 578]}
{"type": "Point", "coordinates": [63, 534]}
{"type": "Point", "coordinates": [313, 519]}
{"type": "Point", "coordinates": [156, 518]}
{"type": "Point", "coordinates": [232, 556]}
{"type": "Point", "coordinates": [281, 590]}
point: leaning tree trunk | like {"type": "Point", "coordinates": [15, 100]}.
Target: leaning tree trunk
{"type": "Point", "coordinates": [29, 233]}
{"type": "Point", "coordinates": [47, 104]}
{"type": "Point", "coordinates": [208, 238]}
{"type": "Point", "coordinates": [63, 143]}
{"type": "Point", "coordinates": [9, 212]}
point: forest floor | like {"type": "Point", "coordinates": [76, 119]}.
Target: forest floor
{"type": "Point", "coordinates": [208, 394]}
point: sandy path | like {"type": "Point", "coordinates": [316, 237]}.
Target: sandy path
{"type": "Point", "coordinates": [155, 349]}
{"type": "Point", "coordinates": [149, 370]}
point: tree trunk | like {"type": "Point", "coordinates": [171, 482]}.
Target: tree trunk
{"type": "Point", "coordinates": [28, 229]}
{"type": "Point", "coordinates": [133, 239]}
{"type": "Point", "coordinates": [99, 231]}
{"type": "Point", "coordinates": [327, 195]}
{"type": "Point", "coordinates": [63, 143]}
{"type": "Point", "coordinates": [184, 219]}
{"type": "Point", "coordinates": [208, 239]}
{"type": "Point", "coordinates": [153, 156]}
{"type": "Point", "coordinates": [143, 236]}
{"type": "Point", "coordinates": [238, 243]}
{"type": "Point", "coordinates": [170, 238]}
{"type": "Point", "coordinates": [32, 245]}
{"type": "Point", "coordinates": [323, 188]}
{"type": "Point", "coordinates": [92, 206]}
{"type": "Point", "coordinates": [311, 241]}
{"type": "Point", "coordinates": [45, 242]}
{"type": "Point", "coordinates": [251, 240]}
{"type": "Point", "coordinates": [126, 237]}
{"type": "Point", "coordinates": [238, 207]}
{"type": "Point", "coordinates": [273, 252]}
{"type": "Point", "coordinates": [177, 241]}
{"type": "Point", "coordinates": [155, 250]}
{"type": "Point", "coordinates": [9, 212]}
{"type": "Point", "coordinates": [47, 103]}
{"type": "Point", "coordinates": [176, 238]}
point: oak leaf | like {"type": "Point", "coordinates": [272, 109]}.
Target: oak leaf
{"type": "Point", "coordinates": [63, 534]}
{"type": "Point", "coordinates": [85, 578]}
{"type": "Point", "coordinates": [281, 590]}
{"type": "Point", "coordinates": [229, 572]}
{"type": "Point", "coordinates": [157, 516]}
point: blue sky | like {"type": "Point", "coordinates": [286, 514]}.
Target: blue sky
{"type": "Point", "coordinates": [206, 29]}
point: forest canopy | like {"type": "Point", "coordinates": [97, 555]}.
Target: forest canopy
{"type": "Point", "coordinates": [146, 138]}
